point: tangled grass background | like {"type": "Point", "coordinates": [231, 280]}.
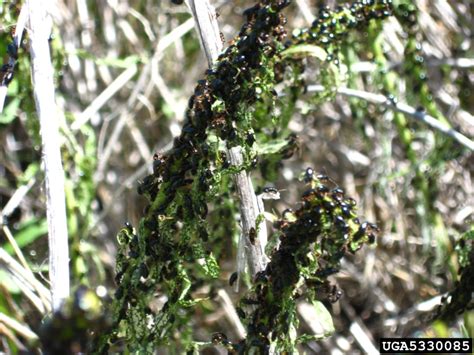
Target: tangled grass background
{"type": "Point", "coordinates": [125, 72]}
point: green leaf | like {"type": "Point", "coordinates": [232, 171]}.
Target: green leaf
{"type": "Point", "coordinates": [8, 283]}
{"type": "Point", "coordinates": [324, 317]}
{"type": "Point", "coordinates": [29, 173]}
{"type": "Point", "coordinates": [441, 329]}
{"type": "Point", "coordinates": [463, 249]}
{"type": "Point", "coordinates": [318, 316]}
{"type": "Point", "coordinates": [123, 63]}
{"type": "Point", "coordinates": [305, 50]}
{"type": "Point", "coordinates": [28, 233]}
{"type": "Point", "coordinates": [9, 112]}
{"type": "Point", "coordinates": [168, 110]}
{"type": "Point", "coordinates": [191, 303]}
{"type": "Point", "coordinates": [211, 267]}
{"type": "Point", "coordinates": [271, 147]}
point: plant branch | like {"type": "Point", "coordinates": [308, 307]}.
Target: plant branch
{"type": "Point", "coordinates": [207, 27]}
{"type": "Point", "coordinates": [419, 115]}
{"type": "Point", "coordinates": [249, 210]}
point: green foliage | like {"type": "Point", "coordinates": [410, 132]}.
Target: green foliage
{"type": "Point", "coordinates": [465, 247]}
{"type": "Point", "coordinates": [312, 241]}
{"type": "Point", "coordinates": [28, 232]}
{"type": "Point", "coordinates": [460, 298]}
{"type": "Point", "coordinates": [9, 112]}
{"type": "Point", "coordinates": [80, 161]}
{"type": "Point", "coordinates": [169, 266]}
{"type": "Point", "coordinates": [235, 105]}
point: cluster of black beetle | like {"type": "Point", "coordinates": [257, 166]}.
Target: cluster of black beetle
{"type": "Point", "coordinates": [225, 82]}
{"type": "Point", "coordinates": [181, 181]}
{"type": "Point", "coordinates": [181, 178]}
{"type": "Point", "coordinates": [326, 227]}
{"type": "Point", "coordinates": [330, 27]}
{"type": "Point", "coordinates": [7, 70]}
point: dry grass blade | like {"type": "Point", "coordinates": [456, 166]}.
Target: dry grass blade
{"type": "Point", "coordinates": [231, 314]}
{"type": "Point", "coordinates": [26, 276]}
{"type": "Point", "coordinates": [305, 11]}
{"type": "Point", "coordinates": [40, 24]}
{"type": "Point", "coordinates": [4, 330]}
{"type": "Point", "coordinates": [16, 248]}
{"type": "Point", "coordinates": [19, 328]}
{"type": "Point", "coordinates": [104, 97]}
{"type": "Point", "coordinates": [3, 95]}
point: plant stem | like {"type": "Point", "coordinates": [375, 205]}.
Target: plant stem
{"type": "Point", "coordinates": [409, 111]}
{"type": "Point", "coordinates": [40, 24]}
{"type": "Point", "coordinates": [207, 27]}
